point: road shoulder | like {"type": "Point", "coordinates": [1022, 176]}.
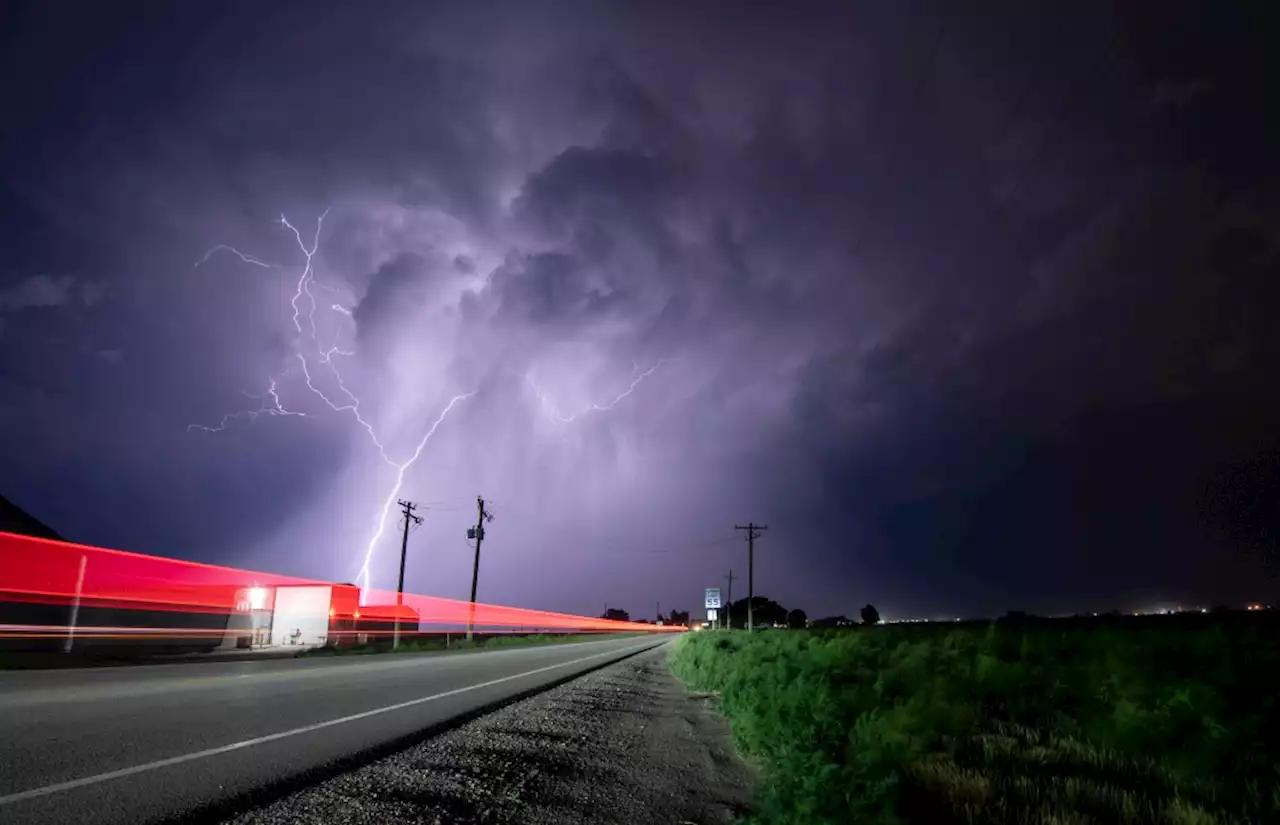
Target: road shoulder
{"type": "Point", "coordinates": [624, 744]}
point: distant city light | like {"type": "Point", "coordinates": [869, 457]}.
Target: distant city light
{"type": "Point", "coordinates": [1152, 610]}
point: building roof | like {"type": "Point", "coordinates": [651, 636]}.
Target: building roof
{"type": "Point", "coordinates": [13, 519]}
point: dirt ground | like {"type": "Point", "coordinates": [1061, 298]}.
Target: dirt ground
{"type": "Point", "coordinates": [626, 744]}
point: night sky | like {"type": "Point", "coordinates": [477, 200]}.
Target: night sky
{"type": "Point", "coordinates": [975, 307]}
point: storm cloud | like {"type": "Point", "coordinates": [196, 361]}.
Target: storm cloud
{"type": "Point", "coordinates": [970, 309]}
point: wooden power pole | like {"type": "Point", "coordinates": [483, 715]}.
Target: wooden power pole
{"type": "Point", "coordinates": [476, 533]}
{"type": "Point", "coordinates": [751, 528]}
{"type": "Point", "coordinates": [409, 519]}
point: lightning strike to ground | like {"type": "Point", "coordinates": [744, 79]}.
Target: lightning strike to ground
{"type": "Point", "coordinates": [362, 578]}
{"type": "Point", "coordinates": [303, 291]}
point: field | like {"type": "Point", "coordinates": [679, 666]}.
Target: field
{"type": "Point", "coordinates": [1165, 719]}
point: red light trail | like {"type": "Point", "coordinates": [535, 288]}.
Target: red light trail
{"type": "Point", "coordinates": [42, 574]}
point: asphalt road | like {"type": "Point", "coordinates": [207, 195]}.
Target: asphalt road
{"type": "Point", "coordinates": [133, 744]}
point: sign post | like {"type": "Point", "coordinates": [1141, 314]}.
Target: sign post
{"type": "Point", "coordinates": [712, 603]}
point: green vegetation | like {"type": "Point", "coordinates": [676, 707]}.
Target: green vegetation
{"type": "Point", "coordinates": [458, 641]}
{"type": "Point", "coordinates": [1172, 720]}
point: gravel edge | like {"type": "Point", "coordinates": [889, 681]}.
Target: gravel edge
{"type": "Point", "coordinates": [625, 744]}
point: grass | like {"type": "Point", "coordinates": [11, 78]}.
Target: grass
{"type": "Point", "coordinates": [458, 641]}
{"type": "Point", "coordinates": [1130, 721]}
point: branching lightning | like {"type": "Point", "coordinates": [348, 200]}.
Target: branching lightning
{"type": "Point", "coordinates": [249, 259]}
{"type": "Point", "coordinates": [275, 408]}
{"type": "Point", "coordinates": [553, 412]}
{"type": "Point", "coordinates": [305, 304]}
{"type": "Point", "coordinates": [303, 295]}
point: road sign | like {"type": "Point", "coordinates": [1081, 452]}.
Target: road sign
{"type": "Point", "coordinates": [713, 598]}
{"type": "Point", "coordinates": [711, 614]}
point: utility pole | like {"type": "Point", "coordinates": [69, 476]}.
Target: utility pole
{"type": "Point", "coordinates": [409, 519]}
{"type": "Point", "coordinates": [752, 535]}
{"type": "Point", "coordinates": [658, 607]}
{"type": "Point", "coordinates": [476, 533]}
{"type": "Point", "coordinates": [728, 602]}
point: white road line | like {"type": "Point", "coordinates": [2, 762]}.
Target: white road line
{"type": "Point", "coordinates": [248, 743]}
{"type": "Point", "coordinates": [35, 694]}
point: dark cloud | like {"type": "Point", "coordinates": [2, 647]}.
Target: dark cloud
{"type": "Point", "coordinates": [595, 187]}
{"type": "Point", "coordinates": [397, 290]}
{"type": "Point", "coordinates": [37, 291]}
{"type": "Point", "coordinates": [547, 288]}
{"type": "Point", "coordinates": [972, 308]}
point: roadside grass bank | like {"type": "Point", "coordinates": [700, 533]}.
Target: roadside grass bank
{"type": "Point", "coordinates": [459, 642]}
{"type": "Point", "coordinates": [1172, 722]}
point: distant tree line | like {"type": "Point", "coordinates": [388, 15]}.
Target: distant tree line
{"type": "Point", "coordinates": [765, 611]}
{"type": "Point", "coordinates": [675, 617]}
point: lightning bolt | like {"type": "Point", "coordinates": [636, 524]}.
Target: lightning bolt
{"type": "Point", "coordinates": [395, 491]}
{"type": "Point", "coordinates": [249, 259]}
{"type": "Point", "coordinates": [276, 408]}
{"type": "Point", "coordinates": [304, 305]}
{"type": "Point", "coordinates": [553, 412]}
{"type": "Point", "coordinates": [305, 280]}
{"type": "Point", "coordinates": [332, 351]}
{"type": "Point", "coordinates": [308, 273]}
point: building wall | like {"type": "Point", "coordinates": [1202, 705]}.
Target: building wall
{"type": "Point", "coordinates": [301, 616]}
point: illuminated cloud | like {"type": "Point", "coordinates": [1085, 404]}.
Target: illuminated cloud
{"type": "Point", "coordinates": [534, 210]}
